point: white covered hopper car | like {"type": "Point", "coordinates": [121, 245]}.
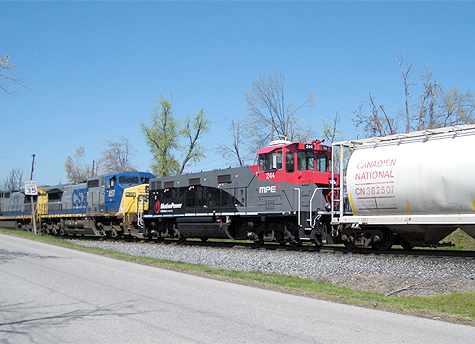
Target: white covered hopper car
{"type": "Point", "coordinates": [411, 189]}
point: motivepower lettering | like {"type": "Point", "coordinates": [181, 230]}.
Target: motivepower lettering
{"type": "Point", "coordinates": [171, 205]}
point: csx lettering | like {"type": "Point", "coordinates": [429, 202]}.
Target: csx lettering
{"type": "Point", "coordinates": [15, 200]}
{"type": "Point", "coordinates": [142, 198]}
{"type": "Point", "coordinates": [79, 198]}
{"type": "Point", "coordinates": [266, 189]}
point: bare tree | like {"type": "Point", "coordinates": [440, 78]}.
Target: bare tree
{"type": "Point", "coordinates": [77, 169]}
{"type": "Point", "coordinates": [5, 80]}
{"type": "Point", "coordinates": [434, 108]}
{"type": "Point", "coordinates": [270, 114]}
{"type": "Point", "coordinates": [457, 108]}
{"type": "Point", "coordinates": [373, 123]}
{"type": "Point", "coordinates": [13, 182]}
{"type": "Point", "coordinates": [426, 117]}
{"type": "Point", "coordinates": [330, 132]}
{"type": "Point", "coordinates": [406, 69]}
{"type": "Point", "coordinates": [234, 152]}
{"type": "Point", "coordinates": [118, 157]}
{"type": "Point", "coordinates": [437, 108]}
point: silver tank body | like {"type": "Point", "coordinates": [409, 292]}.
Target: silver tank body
{"type": "Point", "coordinates": [419, 184]}
{"type": "Point", "coordinates": [426, 177]}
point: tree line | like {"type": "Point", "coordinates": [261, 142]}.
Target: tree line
{"type": "Point", "coordinates": [433, 107]}
{"type": "Point", "coordinates": [174, 142]}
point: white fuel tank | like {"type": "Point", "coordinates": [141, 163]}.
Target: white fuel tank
{"type": "Point", "coordinates": [432, 175]}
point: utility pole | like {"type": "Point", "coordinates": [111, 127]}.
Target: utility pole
{"type": "Point", "coordinates": [32, 166]}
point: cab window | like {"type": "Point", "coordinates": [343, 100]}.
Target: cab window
{"type": "Point", "coordinates": [321, 163]}
{"type": "Point", "coordinates": [279, 159]}
{"type": "Point", "coordinates": [110, 183]}
{"type": "Point", "coordinates": [271, 161]}
{"type": "Point", "coordinates": [305, 161]}
{"type": "Point", "coordinates": [289, 162]}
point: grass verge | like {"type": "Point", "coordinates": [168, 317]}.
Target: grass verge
{"type": "Point", "coordinates": [454, 307]}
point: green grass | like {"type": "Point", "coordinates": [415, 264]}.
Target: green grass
{"type": "Point", "coordinates": [455, 307]}
{"type": "Point", "coordinates": [461, 240]}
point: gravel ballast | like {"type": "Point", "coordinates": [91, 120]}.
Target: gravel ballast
{"type": "Point", "coordinates": [387, 274]}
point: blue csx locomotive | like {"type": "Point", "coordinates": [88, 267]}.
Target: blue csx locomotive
{"type": "Point", "coordinates": [102, 205]}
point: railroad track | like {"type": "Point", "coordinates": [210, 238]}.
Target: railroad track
{"type": "Point", "coordinates": [337, 249]}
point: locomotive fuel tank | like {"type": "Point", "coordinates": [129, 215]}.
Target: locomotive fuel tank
{"type": "Point", "coordinates": [417, 184]}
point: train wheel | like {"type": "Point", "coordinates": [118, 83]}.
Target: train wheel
{"type": "Point", "coordinates": [349, 245]}
{"type": "Point", "coordinates": [280, 238]}
{"type": "Point", "coordinates": [296, 243]}
{"type": "Point", "coordinates": [260, 239]}
{"type": "Point", "coordinates": [404, 243]}
{"type": "Point", "coordinates": [383, 241]}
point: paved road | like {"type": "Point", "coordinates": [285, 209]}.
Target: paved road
{"type": "Point", "coordinates": [50, 294]}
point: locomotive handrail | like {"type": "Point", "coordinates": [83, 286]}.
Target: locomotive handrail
{"type": "Point", "coordinates": [140, 211]}
{"type": "Point", "coordinates": [312, 223]}
{"type": "Point", "coordinates": [299, 222]}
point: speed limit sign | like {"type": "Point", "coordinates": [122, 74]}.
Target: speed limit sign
{"type": "Point", "coordinates": [31, 188]}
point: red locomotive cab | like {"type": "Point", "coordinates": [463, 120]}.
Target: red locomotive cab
{"type": "Point", "coordinates": [296, 163]}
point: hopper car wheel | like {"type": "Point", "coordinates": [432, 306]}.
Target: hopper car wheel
{"type": "Point", "coordinates": [260, 240]}
{"type": "Point", "coordinates": [349, 245]}
{"type": "Point", "coordinates": [404, 243]}
{"type": "Point", "coordinates": [383, 243]}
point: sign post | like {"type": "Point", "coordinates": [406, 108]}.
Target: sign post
{"type": "Point", "coordinates": [31, 190]}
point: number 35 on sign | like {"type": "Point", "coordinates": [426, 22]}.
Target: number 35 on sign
{"type": "Point", "coordinates": [31, 188]}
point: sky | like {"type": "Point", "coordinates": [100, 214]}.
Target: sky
{"type": "Point", "coordinates": [95, 70]}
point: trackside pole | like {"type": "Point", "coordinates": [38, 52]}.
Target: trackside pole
{"type": "Point", "coordinates": [31, 190]}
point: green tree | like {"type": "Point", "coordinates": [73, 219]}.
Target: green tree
{"type": "Point", "coordinates": [194, 128]}
{"type": "Point", "coordinates": [163, 137]}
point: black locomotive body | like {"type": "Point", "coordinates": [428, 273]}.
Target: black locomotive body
{"type": "Point", "coordinates": [285, 198]}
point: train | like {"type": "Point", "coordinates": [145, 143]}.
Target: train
{"type": "Point", "coordinates": [407, 189]}
{"type": "Point", "coordinates": [412, 189]}
{"type": "Point", "coordinates": [107, 205]}
{"type": "Point", "coordinates": [285, 198]}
